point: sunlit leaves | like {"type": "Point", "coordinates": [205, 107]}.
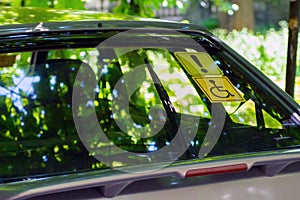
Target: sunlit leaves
{"type": "Point", "coordinates": [143, 8]}
{"type": "Point", "coordinates": [223, 5]}
{"type": "Point", "coordinates": [36, 117]}
{"type": "Point", "coordinates": [36, 3]}
{"type": "Point", "coordinates": [56, 149]}
{"type": "Point", "coordinates": [15, 3]}
{"type": "Point", "coordinates": [261, 50]}
{"type": "Point", "coordinates": [74, 4]}
{"type": "Point", "coordinates": [241, 113]}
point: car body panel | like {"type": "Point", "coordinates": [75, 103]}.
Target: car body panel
{"type": "Point", "coordinates": [276, 188]}
{"type": "Point", "coordinates": [272, 169]}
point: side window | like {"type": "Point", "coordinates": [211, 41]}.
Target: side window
{"type": "Point", "coordinates": [245, 114]}
{"type": "Point", "coordinates": [253, 111]}
{"type": "Point", "coordinates": [242, 112]}
{"type": "Point", "coordinates": [271, 122]}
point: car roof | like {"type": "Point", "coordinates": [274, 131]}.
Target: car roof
{"type": "Point", "coordinates": [26, 19]}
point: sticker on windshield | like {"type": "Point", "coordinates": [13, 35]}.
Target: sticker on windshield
{"type": "Point", "coordinates": [198, 64]}
{"type": "Point", "coordinates": [218, 89]}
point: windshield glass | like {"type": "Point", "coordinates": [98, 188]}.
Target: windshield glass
{"type": "Point", "coordinates": [131, 101]}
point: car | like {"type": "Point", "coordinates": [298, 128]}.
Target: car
{"type": "Point", "coordinates": [97, 105]}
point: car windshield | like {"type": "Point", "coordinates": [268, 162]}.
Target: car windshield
{"type": "Point", "coordinates": [74, 103]}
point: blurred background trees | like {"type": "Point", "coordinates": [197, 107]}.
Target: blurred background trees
{"type": "Point", "coordinates": [228, 14]}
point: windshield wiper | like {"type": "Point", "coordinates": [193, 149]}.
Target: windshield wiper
{"type": "Point", "coordinates": [169, 108]}
{"type": "Point", "coordinates": [164, 97]}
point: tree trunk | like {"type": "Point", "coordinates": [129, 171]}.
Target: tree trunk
{"type": "Point", "coordinates": [292, 47]}
{"type": "Point", "coordinates": [244, 17]}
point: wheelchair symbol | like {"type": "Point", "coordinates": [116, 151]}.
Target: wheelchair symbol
{"type": "Point", "coordinates": [219, 92]}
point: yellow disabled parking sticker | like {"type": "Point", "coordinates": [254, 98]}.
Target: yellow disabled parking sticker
{"type": "Point", "coordinates": [218, 89]}
{"type": "Point", "coordinates": [198, 64]}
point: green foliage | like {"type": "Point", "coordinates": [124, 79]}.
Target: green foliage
{"type": "Point", "coordinates": [223, 5]}
{"type": "Point", "coordinates": [74, 4]}
{"type": "Point", "coordinates": [137, 7]}
{"type": "Point", "coordinates": [35, 3]}
{"type": "Point", "coordinates": [266, 50]}
{"type": "Point", "coordinates": [210, 23]}
{"type": "Point", "coordinates": [143, 8]}
{"type": "Point", "coordinates": [63, 4]}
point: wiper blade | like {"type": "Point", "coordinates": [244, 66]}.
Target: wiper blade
{"type": "Point", "coordinates": [164, 97]}
{"type": "Point", "coordinates": [169, 108]}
